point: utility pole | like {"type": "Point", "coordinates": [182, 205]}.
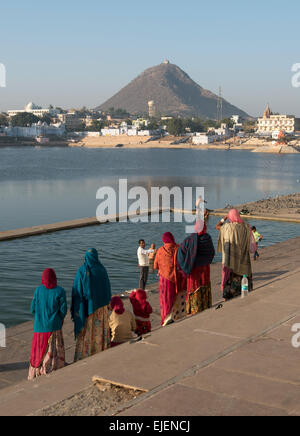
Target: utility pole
{"type": "Point", "coordinates": [220, 106]}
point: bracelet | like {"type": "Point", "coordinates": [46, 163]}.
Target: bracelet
{"type": "Point", "coordinates": [222, 221]}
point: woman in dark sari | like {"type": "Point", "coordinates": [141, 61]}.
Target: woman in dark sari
{"type": "Point", "coordinates": [91, 295]}
{"type": "Point", "coordinates": [195, 255]}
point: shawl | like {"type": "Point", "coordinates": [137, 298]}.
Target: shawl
{"type": "Point", "coordinates": [234, 244]}
{"type": "Point", "coordinates": [195, 250]}
{"type": "Point", "coordinates": [117, 305]}
{"type": "Point", "coordinates": [49, 279]}
{"type": "Point", "coordinates": [91, 290]}
{"type": "Point", "coordinates": [234, 216]}
{"type": "Point", "coordinates": [165, 261]}
{"type": "Point", "coordinates": [168, 238]}
{"type": "Point", "coordinates": [140, 305]}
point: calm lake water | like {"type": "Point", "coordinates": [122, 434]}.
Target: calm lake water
{"type": "Point", "coordinates": [39, 186]}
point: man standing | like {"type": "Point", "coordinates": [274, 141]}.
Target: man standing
{"type": "Point", "coordinates": [143, 259]}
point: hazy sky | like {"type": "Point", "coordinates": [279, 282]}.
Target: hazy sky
{"type": "Point", "coordinates": [73, 53]}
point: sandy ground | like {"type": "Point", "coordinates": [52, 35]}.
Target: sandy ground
{"type": "Point", "coordinates": [92, 402]}
{"type": "Point", "coordinates": [287, 206]}
{"type": "Point", "coordinates": [256, 145]}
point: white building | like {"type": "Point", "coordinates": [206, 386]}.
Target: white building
{"type": "Point", "coordinates": [203, 138]}
{"type": "Point", "coordinates": [36, 130]}
{"type": "Point", "coordinates": [33, 109]}
{"type": "Point", "coordinates": [270, 123]}
{"type": "Point", "coordinates": [110, 132]}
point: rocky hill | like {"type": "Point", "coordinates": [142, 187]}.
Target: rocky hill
{"type": "Point", "coordinates": [173, 93]}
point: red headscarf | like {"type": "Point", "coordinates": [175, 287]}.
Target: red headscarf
{"type": "Point", "coordinates": [49, 279]}
{"type": "Point", "coordinates": [234, 216]}
{"type": "Point", "coordinates": [139, 302]}
{"type": "Point", "coordinates": [117, 305]}
{"type": "Point", "coordinates": [168, 238]}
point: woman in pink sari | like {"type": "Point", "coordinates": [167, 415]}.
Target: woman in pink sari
{"type": "Point", "coordinates": [49, 307]}
{"type": "Point", "coordinates": [235, 243]}
{"type": "Point", "coordinates": [172, 282]}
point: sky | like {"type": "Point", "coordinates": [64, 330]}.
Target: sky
{"type": "Point", "coordinates": [79, 53]}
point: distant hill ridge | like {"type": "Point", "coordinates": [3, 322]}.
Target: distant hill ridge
{"type": "Point", "coordinates": [173, 92]}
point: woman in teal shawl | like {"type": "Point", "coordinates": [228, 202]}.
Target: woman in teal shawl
{"type": "Point", "coordinates": [91, 295]}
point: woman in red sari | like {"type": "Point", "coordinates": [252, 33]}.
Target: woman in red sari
{"type": "Point", "coordinates": [49, 307]}
{"type": "Point", "coordinates": [172, 283]}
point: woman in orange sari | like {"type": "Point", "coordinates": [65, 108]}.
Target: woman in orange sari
{"type": "Point", "coordinates": [172, 282]}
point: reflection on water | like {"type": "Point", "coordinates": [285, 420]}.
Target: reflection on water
{"type": "Point", "coordinates": [48, 185]}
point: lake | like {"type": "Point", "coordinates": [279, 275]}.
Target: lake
{"type": "Point", "coordinates": [40, 186]}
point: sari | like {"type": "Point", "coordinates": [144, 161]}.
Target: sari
{"type": "Point", "coordinates": [49, 307]}
{"type": "Point", "coordinates": [91, 295]}
{"type": "Point", "coordinates": [235, 243]}
{"type": "Point", "coordinates": [172, 282]}
{"type": "Point", "coordinates": [195, 255]}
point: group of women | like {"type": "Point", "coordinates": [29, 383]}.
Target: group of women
{"type": "Point", "coordinates": [184, 288]}
{"type": "Point", "coordinates": [184, 270]}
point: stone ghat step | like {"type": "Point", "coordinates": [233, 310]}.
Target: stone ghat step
{"type": "Point", "coordinates": [92, 221]}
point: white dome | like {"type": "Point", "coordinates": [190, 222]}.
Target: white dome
{"type": "Point", "coordinates": [31, 106]}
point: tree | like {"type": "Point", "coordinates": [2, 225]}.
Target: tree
{"type": "Point", "coordinates": [227, 121]}
{"type": "Point", "coordinates": [96, 126]}
{"type": "Point", "coordinates": [24, 119]}
{"type": "Point", "coordinates": [250, 126]}
{"type": "Point", "coordinates": [46, 119]}
{"type": "Point", "coordinates": [176, 126]}
{"type": "Point", "coordinates": [3, 120]}
{"type": "Point", "coordinates": [194, 125]}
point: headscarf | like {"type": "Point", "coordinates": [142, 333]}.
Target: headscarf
{"type": "Point", "coordinates": [168, 238]}
{"type": "Point", "coordinates": [139, 302]}
{"type": "Point", "coordinates": [234, 216]}
{"type": "Point", "coordinates": [165, 259]}
{"type": "Point", "coordinates": [117, 305]}
{"type": "Point", "coordinates": [91, 290]}
{"type": "Point", "coordinates": [49, 279]}
{"type": "Point", "coordinates": [141, 295]}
